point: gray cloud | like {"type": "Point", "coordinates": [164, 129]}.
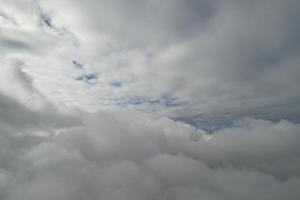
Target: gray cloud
{"type": "Point", "coordinates": [209, 62]}
{"type": "Point", "coordinates": [220, 56]}
{"type": "Point", "coordinates": [131, 156]}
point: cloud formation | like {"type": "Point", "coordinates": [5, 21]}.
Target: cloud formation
{"type": "Point", "coordinates": [221, 57]}
{"type": "Point", "coordinates": [49, 152]}
{"type": "Point", "coordinates": [199, 61]}
{"type": "Point", "coordinates": [132, 156]}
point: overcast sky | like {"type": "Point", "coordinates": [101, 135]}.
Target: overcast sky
{"type": "Point", "coordinates": [148, 99]}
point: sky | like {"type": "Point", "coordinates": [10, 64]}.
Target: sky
{"type": "Point", "coordinates": [149, 100]}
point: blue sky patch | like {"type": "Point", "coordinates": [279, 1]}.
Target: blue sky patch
{"type": "Point", "coordinates": [170, 101]}
{"type": "Point", "coordinates": [77, 64]}
{"type": "Point", "coordinates": [116, 84]}
{"type": "Point", "coordinates": [46, 20]}
{"type": "Point", "coordinates": [148, 103]}
{"type": "Point", "coordinates": [87, 77]}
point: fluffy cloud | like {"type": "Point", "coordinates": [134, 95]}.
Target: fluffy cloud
{"type": "Point", "coordinates": [47, 152]}
{"type": "Point", "coordinates": [133, 156]}
{"type": "Point", "coordinates": [213, 60]}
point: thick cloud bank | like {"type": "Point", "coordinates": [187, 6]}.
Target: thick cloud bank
{"type": "Point", "coordinates": [200, 61]}
{"type": "Point", "coordinates": [131, 156]}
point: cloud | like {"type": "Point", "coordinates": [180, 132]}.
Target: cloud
{"type": "Point", "coordinates": [203, 62]}
{"type": "Point", "coordinates": [48, 152]}
{"type": "Point", "coordinates": [220, 57]}
{"type": "Point", "coordinates": [133, 156]}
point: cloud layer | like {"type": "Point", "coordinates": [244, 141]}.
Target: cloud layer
{"type": "Point", "coordinates": [50, 152]}
{"type": "Point", "coordinates": [124, 155]}
{"type": "Point", "coordinates": [218, 57]}
{"type": "Point", "coordinates": [199, 61]}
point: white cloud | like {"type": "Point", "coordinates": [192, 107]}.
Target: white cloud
{"type": "Point", "coordinates": [181, 58]}
{"type": "Point", "coordinates": [48, 153]}
{"type": "Point", "coordinates": [219, 57]}
{"type": "Point", "coordinates": [133, 156]}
